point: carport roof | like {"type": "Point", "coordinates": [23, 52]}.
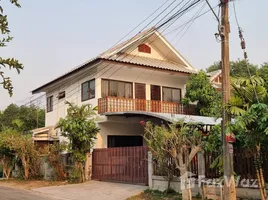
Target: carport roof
{"type": "Point", "coordinates": [172, 117]}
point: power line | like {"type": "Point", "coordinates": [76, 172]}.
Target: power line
{"type": "Point", "coordinates": [137, 27]}
{"type": "Point", "coordinates": [134, 56]}
{"type": "Point", "coordinates": [243, 47]}
{"type": "Point", "coordinates": [217, 18]}
{"type": "Point", "coordinates": [200, 15]}
{"type": "Point", "coordinates": [113, 73]}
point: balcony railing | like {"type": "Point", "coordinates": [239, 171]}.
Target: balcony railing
{"type": "Point", "coordinates": [116, 104]}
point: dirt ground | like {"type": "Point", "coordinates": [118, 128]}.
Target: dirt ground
{"type": "Point", "coordinates": [30, 184]}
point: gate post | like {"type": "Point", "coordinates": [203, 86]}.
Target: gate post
{"type": "Point", "coordinates": [201, 170]}
{"type": "Point", "coordinates": [150, 169]}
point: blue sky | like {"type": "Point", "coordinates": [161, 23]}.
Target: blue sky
{"type": "Point", "coordinates": [51, 37]}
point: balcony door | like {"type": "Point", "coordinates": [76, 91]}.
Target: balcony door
{"type": "Point", "coordinates": [140, 96]}
{"type": "Point", "coordinates": [155, 98]}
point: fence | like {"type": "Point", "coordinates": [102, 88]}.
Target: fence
{"type": "Point", "coordinates": [244, 165]}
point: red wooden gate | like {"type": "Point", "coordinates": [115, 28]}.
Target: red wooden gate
{"type": "Point", "coordinates": [123, 164]}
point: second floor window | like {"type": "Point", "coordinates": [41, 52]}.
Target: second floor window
{"type": "Point", "coordinates": [171, 94]}
{"type": "Point", "coordinates": [88, 90]}
{"type": "Point", "coordinates": [112, 88]}
{"type": "Point", "coordinates": [49, 103]}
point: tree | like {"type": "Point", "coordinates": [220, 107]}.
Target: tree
{"type": "Point", "coordinates": [7, 156]}
{"type": "Point", "coordinates": [251, 123]}
{"type": "Point", "coordinates": [237, 68]}
{"type": "Point", "coordinates": [263, 73]}
{"type": "Point", "coordinates": [26, 114]}
{"type": "Point", "coordinates": [181, 141]}
{"type": "Point", "coordinates": [10, 63]}
{"type": "Point", "coordinates": [200, 90]}
{"type": "Point", "coordinates": [54, 158]}
{"type": "Point", "coordinates": [22, 146]}
{"type": "Point", "coordinates": [81, 130]}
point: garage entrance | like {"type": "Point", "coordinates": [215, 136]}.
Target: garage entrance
{"type": "Point", "coordinates": [121, 164]}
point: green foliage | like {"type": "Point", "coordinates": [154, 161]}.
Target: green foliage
{"type": "Point", "coordinates": [10, 63]}
{"type": "Point", "coordinates": [7, 156]}
{"type": "Point", "coordinates": [23, 147]}
{"type": "Point", "coordinates": [156, 195]}
{"type": "Point", "coordinates": [175, 141]}
{"type": "Point", "coordinates": [252, 126]}
{"type": "Point", "coordinates": [237, 68]}
{"type": "Point", "coordinates": [200, 90]}
{"type": "Point", "coordinates": [27, 115]}
{"type": "Point", "coordinates": [75, 175]}
{"type": "Point", "coordinates": [214, 67]}
{"type": "Point", "coordinates": [54, 158]}
{"type": "Point", "coordinates": [80, 128]}
{"type": "Point", "coordinates": [263, 73]}
{"type": "Point", "coordinates": [214, 140]}
{"type": "Point", "coordinates": [246, 92]}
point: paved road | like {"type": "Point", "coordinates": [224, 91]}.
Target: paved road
{"type": "Point", "coordinates": [7, 193]}
{"type": "Point", "coordinates": [93, 190]}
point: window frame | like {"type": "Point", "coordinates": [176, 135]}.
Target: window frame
{"type": "Point", "coordinates": [172, 88]}
{"type": "Point", "coordinates": [89, 90]}
{"type": "Point", "coordinates": [61, 95]}
{"type": "Point", "coordinates": [135, 89]}
{"type": "Point", "coordinates": [50, 99]}
{"type": "Point", "coordinates": [117, 91]}
{"type": "Point", "coordinates": [159, 86]}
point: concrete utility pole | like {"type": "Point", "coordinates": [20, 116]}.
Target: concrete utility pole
{"type": "Point", "coordinates": [229, 191]}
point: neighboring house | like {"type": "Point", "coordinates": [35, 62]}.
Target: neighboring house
{"type": "Point", "coordinates": [142, 79]}
{"type": "Point", "coordinates": [216, 79]}
{"type": "Point", "coordinates": [44, 136]}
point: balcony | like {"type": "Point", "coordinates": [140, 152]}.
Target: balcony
{"type": "Point", "coordinates": [116, 104]}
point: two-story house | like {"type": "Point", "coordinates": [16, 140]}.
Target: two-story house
{"type": "Point", "coordinates": [141, 79]}
{"type": "Point", "coordinates": [145, 74]}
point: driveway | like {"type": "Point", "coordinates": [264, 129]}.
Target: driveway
{"type": "Point", "coordinates": [8, 193]}
{"type": "Point", "coordinates": [92, 190]}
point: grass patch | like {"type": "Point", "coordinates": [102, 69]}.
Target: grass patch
{"type": "Point", "coordinates": [157, 195]}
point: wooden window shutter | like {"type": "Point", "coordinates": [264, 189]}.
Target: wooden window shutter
{"type": "Point", "coordinates": [140, 91]}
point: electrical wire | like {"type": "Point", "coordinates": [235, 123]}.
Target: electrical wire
{"type": "Point", "coordinates": [177, 15]}
{"type": "Point", "coordinates": [243, 46]}
{"type": "Point", "coordinates": [132, 31]}
{"type": "Point", "coordinates": [153, 71]}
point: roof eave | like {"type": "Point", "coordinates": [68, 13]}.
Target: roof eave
{"type": "Point", "coordinates": [149, 66]}
{"type": "Point", "coordinates": [83, 66]}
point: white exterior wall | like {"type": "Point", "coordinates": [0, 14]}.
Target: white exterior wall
{"type": "Point", "coordinates": [72, 88]}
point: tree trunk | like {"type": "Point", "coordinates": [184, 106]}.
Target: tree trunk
{"type": "Point", "coordinates": [87, 167]}
{"type": "Point", "coordinates": [185, 187]}
{"type": "Point", "coordinates": [259, 172]}
{"type": "Point", "coordinates": [25, 166]}
{"type": "Point", "coordinates": [263, 183]}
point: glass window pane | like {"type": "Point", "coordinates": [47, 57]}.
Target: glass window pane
{"type": "Point", "coordinates": [104, 88]}
{"type": "Point", "coordinates": [92, 89]}
{"type": "Point", "coordinates": [50, 104]}
{"type": "Point", "coordinates": [176, 95]}
{"type": "Point", "coordinates": [167, 94]}
{"type": "Point", "coordinates": [113, 88]}
{"type": "Point", "coordinates": [128, 90]}
{"type": "Point", "coordinates": [85, 91]}
{"type": "Point", "coordinates": [121, 89]}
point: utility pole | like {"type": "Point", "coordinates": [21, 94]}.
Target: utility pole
{"type": "Point", "coordinates": [229, 192]}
